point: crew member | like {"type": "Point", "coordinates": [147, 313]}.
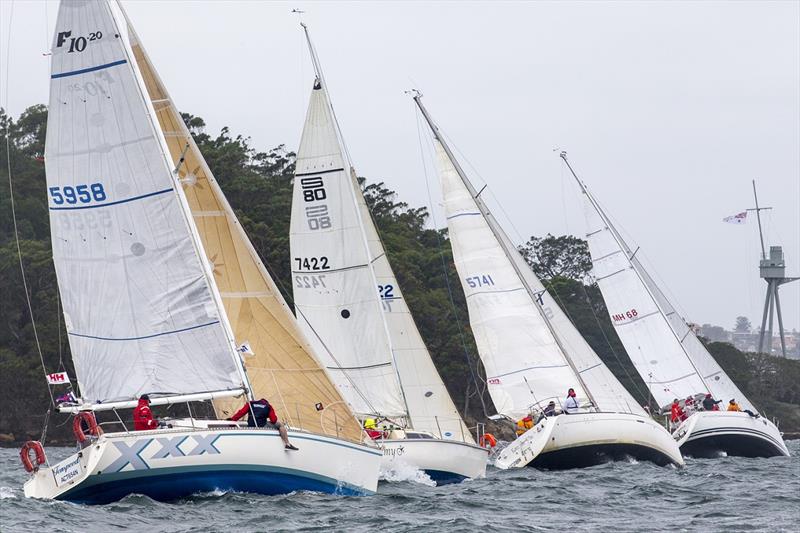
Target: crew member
{"type": "Point", "coordinates": [524, 424]}
{"type": "Point", "coordinates": [550, 410]}
{"type": "Point", "coordinates": [676, 412]}
{"type": "Point", "coordinates": [371, 427]}
{"type": "Point", "coordinates": [571, 404]}
{"type": "Point", "coordinates": [709, 404]}
{"type": "Point", "coordinates": [261, 414]}
{"type": "Point", "coordinates": [733, 406]}
{"type": "Point", "coordinates": [143, 416]}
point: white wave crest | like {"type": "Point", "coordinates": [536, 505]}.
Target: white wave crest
{"type": "Point", "coordinates": [6, 493]}
{"type": "Point", "coordinates": [400, 471]}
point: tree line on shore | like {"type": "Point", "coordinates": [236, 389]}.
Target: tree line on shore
{"type": "Point", "coordinates": [259, 187]}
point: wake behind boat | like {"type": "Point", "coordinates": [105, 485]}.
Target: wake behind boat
{"type": "Point", "coordinates": [143, 310]}
{"type": "Point", "coordinates": [532, 352]}
{"type": "Point", "coordinates": [677, 368]}
{"type": "Point", "coordinates": [350, 304]}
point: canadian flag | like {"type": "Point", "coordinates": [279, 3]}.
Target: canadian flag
{"type": "Point", "coordinates": [739, 218]}
{"type": "Point", "coordinates": [59, 378]}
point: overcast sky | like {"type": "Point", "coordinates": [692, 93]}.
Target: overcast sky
{"type": "Point", "coordinates": [668, 110]}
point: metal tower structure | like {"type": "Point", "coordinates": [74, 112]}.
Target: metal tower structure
{"type": "Point", "coordinates": [772, 270]}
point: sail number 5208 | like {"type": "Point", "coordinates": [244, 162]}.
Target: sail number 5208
{"type": "Point", "coordinates": [84, 194]}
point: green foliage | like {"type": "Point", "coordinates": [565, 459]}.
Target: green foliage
{"type": "Point", "coordinates": [259, 187]}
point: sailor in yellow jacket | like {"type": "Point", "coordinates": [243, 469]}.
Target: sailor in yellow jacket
{"type": "Point", "coordinates": [733, 406]}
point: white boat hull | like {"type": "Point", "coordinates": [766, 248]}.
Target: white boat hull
{"type": "Point", "coordinates": [587, 439]}
{"type": "Point", "coordinates": [711, 433]}
{"type": "Point", "coordinates": [443, 460]}
{"type": "Point", "coordinates": [173, 463]}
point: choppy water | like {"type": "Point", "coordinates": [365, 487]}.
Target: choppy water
{"type": "Point", "coordinates": [727, 494]}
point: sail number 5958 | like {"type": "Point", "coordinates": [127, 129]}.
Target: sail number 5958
{"type": "Point", "coordinates": [83, 194]}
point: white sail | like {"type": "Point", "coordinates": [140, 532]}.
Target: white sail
{"type": "Point", "coordinates": [524, 364]}
{"type": "Point", "coordinates": [429, 404]}
{"type": "Point", "coordinates": [139, 305]}
{"type": "Point", "coordinates": [668, 356]}
{"type": "Point", "coordinates": [335, 290]}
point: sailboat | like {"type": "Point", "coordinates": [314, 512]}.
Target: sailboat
{"type": "Point", "coordinates": [531, 351]}
{"type": "Point", "coordinates": [348, 299]}
{"type": "Point", "coordinates": [142, 306]}
{"type": "Point", "coordinates": [666, 352]}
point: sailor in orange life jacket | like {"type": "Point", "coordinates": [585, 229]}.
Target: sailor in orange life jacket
{"type": "Point", "coordinates": [143, 416]}
{"type": "Point", "coordinates": [676, 412]}
{"type": "Point", "coordinates": [259, 412]}
{"type": "Point", "coordinates": [524, 424]}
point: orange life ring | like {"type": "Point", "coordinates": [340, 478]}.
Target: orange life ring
{"type": "Point", "coordinates": [25, 455]}
{"type": "Point", "coordinates": [90, 420]}
{"type": "Point", "coordinates": [488, 439]}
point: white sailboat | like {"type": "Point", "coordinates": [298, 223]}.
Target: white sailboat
{"type": "Point", "coordinates": [666, 352]}
{"type": "Point", "coordinates": [532, 353]}
{"type": "Point", "coordinates": [347, 297]}
{"type": "Point", "coordinates": [141, 305]}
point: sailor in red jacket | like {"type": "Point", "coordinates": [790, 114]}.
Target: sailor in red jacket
{"type": "Point", "coordinates": [142, 416]}
{"type": "Point", "coordinates": [261, 414]}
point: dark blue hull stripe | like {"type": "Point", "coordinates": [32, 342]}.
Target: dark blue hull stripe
{"type": "Point", "coordinates": [145, 336]}
{"type": "Point", "coordinates": [148, 195]}
{"type": "Point", "coordinates": [89, 69]}
{"type": "Point", "coordinates": [442, 477]}
{"type": "Point", "coordinates": [696, 435]}
{"type": "Point", "coordinates": [172, 483]}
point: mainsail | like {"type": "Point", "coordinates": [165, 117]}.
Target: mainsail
{"type": "Point", "coordinates": [531, 351]}
{"type": "Point", "coordinates": [140, 306]}
{"type": "Point", "coordinates": [335, 290]}
{"type": "Point", "coordinates": [281, 367]}
{"type": "Point", "coordinates": [665, 351]}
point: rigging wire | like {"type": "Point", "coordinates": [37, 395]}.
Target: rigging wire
{"type": "Point", "coordinates": [14, 211]}
{"type": "Point", "coordinates": [459, 325]}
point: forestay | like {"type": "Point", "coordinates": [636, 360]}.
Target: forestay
{"type": "Point", "coordinates": [139, 305]}
{"type": "Point", "coordinates": [665, 351]}
{"type": "Point", "coordinates": [335, 290]}
{"type": "Point", "coordinates": [524, 364]}
{"type": "Point", "coordinates": [429, 404]}
{"type": "Point", "coordinates": [280, 367]}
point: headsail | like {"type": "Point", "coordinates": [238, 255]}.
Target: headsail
{"type": "Point", "coordinates": [668, 356]}
{"type": "Point", "coordinates": [281, 367]}
{"type": "Point", "coordinates": [139, 304]}
{"type": "Point", "coordinates": [429, 404]}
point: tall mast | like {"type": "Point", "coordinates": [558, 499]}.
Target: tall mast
{"type": "Point", "coordinates": [348, 163]}
{"type": "Point", "coordinates": [499, 234]}
{"type": "Point", "coordinates": [624, 247]}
